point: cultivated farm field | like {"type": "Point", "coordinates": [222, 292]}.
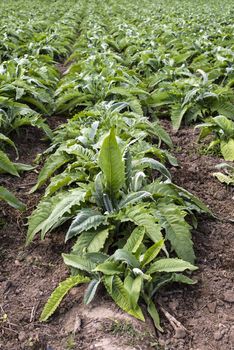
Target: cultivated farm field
{"type": "Point", "coordinates": [116, 175]}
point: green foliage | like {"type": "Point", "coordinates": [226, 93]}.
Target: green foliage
{"type": "Point", "coordinates": [82, 262]}
{"type": "Point", "coordinates": [53, 211]}
{"type": "Point", "coordinates": [84, 221]}
{"type": "Point", "coordinates": [9, 197]}
{"type": "Point", "coordinates": [123, 279]}
{"type": "Point", "coordinates": [222, 130]}
{"type": "Point", "coordinates": [170, 265]}
{"type": "Point", "coordinates": [122, 297]}
{"type": "Point", "coordinates": [6, 165]}
{"type": "Point", "coordinates": [132, 219]}
{"type": "Point", "coordinates": [107, 170]}
{"type": "Point", "coordinates": [152, 253]}
{"type": "Point", "coordinates": [177, 230]}
{"type": "Point", "coordinates": [112, 165]}
{"type": "Point", "coordinates": [59, 294]}
{"type": "Point", "coordinates": [228, 176]}
{"type": "Point", "coordinates": [54, 162]}
{"type": "Point", "coordinates": [91, 291]}
{"type": "Point", "coordinates": [91, 241]}
{"type": "Point", "coordinates": [31, 37]}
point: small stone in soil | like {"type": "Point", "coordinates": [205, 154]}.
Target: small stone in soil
{"type": "Point", "coordinates": [220, 195]}
{"type": "Point", "coordinates": [212, 307]}
{"type": "Point", "coordinates": [161, 342]}
{"type": "Point", "coordinates": [192, 169]}
{"type": "Point", "coordinates": [22, 336]}
{"type": "Point", "coordinates": [77, 325]}
{"type": "Point", "coordinates": [218, 335]}
{"type": "Point", "coordinates": [229, 296]}
{"type": "Point", "coordinates": [220, 303]}
{"type": "Point", "coordinates": [173, 304]}
{"type": "Point", "coordinates": [180, 333]}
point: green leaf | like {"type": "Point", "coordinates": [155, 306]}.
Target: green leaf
{"type": "Point", "coordinates": [54, 162]}
{"type": "Point", "coordinates": [206, 129]}
{"type": "Point", "coordinates": [153, 164]}
{"type": "Point", "coordinates": [128, 166]}
{"type": "Point", "coordinates": [69, 200]}
{"type": "Point", "coordinates": [97, 257]}
{"type": "Point", "coordinates": [41, 214]}
{"type": "Point", "coordinates": [119, 294]}
{"type": "Point", "coordinates": [84, 221]}
{"type": "Point", "coordinates": [135, 106]}
{"type": "Point", "coordinates": [51, 212]}
{"type": "Point", "coordinates": [36, 103]}
{"type": "Point", "coordinates": [112, 164]}
{"type": "Point", "coordinates": [110, 267]}
{"type": "Point", "coordinates": [91, 291]}
{"type": "Point", "coordinates": [171, 159]}
{"type": "Point", "coordinates": [227, 149]}
{"type": "Point", "coordinates": [223, 107]}
{"type": "Point", "coordinates": [6, 165]}
{"type": "Point", "coordinates": [162, 134]}
{"type": "Point", "coordinates": [135, 239]}
{"type": "Point", "coordinates": [91, 241]}
{"type": "Point", "coordinates": [108, 205]}
{"type": "Point", "coordinates": [126, 257]}
{"type": "Point", "coordinates": [62, 180]}
{"type": "Point", "coordinates": [178, 277]}
{"type": "Point", "coordinates": [177, 231]}
{"type": "Point", "coordinates": [128, 281]}
{"type": "Point", "coordinates": [137, 181]}
{"type": "Point", "coordinates": [135, 291]}
{"type": "Point", "coordinates": [20, 167]}
{"type": "Point", "coordinates": [152, 252]}
{"type": "Point", "coordinates": [77, 150]}
{"type": "Point", "coordinates": [186, 194]}
{"type": "Point", "coordinates": [142, 216]}
{"type": "Point", "coordinates": [170, 265]}
{"type": "Point", "coordinates": [225, 124]}
{"type": "Point", "coordinates": [99, 190]}
{"type": "Point", "coordinates": [19, 93]}
{"type": "Point", "coordinates": [81, 262]}
{"type": "Point", "coordinates": [159, 189]}
{"type": "Point", "coordinates": [160, 98]}
{"type": "Point", "coordinates": [8, 197]}
{"type": "Point", "coordinates": [151, 308]}
{"type": "Point", "coordinates": [9, 141]}
{"type": "Point", "coordinates": [177, 114]}
{"type": "Point", "coordinates": [59, 293]}
{"type": "Point", "coordinates": [224, 178]}
{"type": "Point", "coordinates": [119, 91]}
{"type": "Point", "coordinates": [133, 197]}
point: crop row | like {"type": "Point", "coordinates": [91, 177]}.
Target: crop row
{"type": "Point", "coordinates": [131, 64]}
{"type": "Point", "coordinates": [106, 173]}
{"type": "Point", "coordinates": [30, 41]}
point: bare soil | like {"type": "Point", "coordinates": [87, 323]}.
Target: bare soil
{"type": "Point", "coordinates": [29, 275]}
{"type": "Point", "coordinates": [207, 308]}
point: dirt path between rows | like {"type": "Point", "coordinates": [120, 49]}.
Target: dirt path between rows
{"type": "Point", "coordinates": [28, 275]}
{"type": "Point", "coordinates": [207, 308]}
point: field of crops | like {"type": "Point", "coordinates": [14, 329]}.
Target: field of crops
{"type": "Point", "coordinates": [116, 175]}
